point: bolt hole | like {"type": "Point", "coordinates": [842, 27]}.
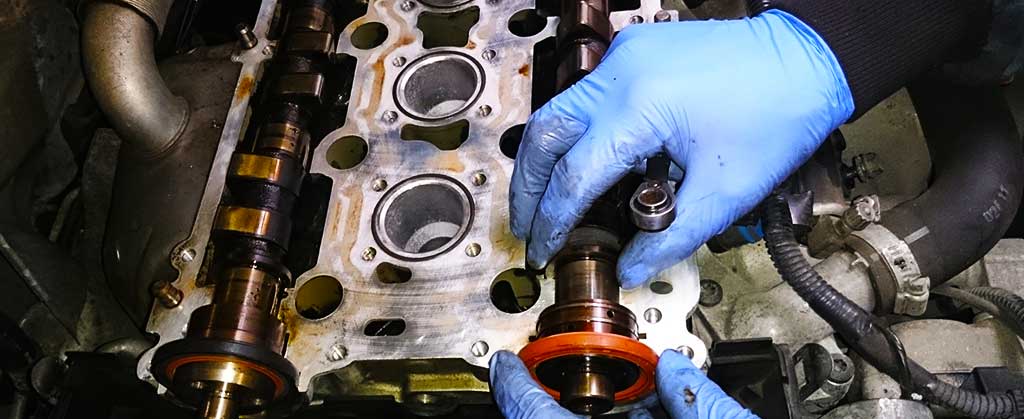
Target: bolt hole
{"type": "Point", "coordinates": [369, 35]}
{"type": "Point", "coordinates": [480, 348]}
{"type": "Point", "coordinates": [318, 297]}
{"type": "Point", "coordinates": [526, 23]}
{"type": "Point", "coordinates": [652, 315]}
{"type": "Point", "coordinates": [661, 287]}
{"type": "Point", "coordinates": [510, 140]}
{"type": "Point", "coordinates": [347, 152]}
{"type": "Point", "coordinates": [384, 327]}
{"type": "Point", "coordinates": [611, 314]}
{"type": "Point", "coordinates": [515, 291]}
{"type": "Point", "coordinates": [389, 273]}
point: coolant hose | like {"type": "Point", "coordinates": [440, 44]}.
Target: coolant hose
{"type": "Point", "coordinates": [872, 342]}
{"type": "Point", "coordinates": [977, 178]}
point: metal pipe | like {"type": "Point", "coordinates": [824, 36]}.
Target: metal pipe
{"type": "Point", "coordinates": [120, 66]}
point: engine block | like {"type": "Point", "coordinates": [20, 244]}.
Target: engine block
{"type": "Point", "coordinates": [417, 274]}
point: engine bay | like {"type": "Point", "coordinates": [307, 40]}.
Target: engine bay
{"type": "Point", "coordinates": [300, 209]}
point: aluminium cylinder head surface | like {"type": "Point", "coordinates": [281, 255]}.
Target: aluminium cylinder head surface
{"type": "Point", "coordinates": [417, 276]}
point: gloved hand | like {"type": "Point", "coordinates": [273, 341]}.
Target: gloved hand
{"type": "Point", "coordinates": [685, 392]}
{"type": "Point", "coordinates": [737, 104]}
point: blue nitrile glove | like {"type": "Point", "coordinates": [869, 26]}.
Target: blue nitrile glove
{"type": "Point", "coordinates": [685, 392]}
{"type": "Point", "coordinates": [738, 104]}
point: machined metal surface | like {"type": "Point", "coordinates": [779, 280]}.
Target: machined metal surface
{"type": "Point", "coordinates": [443, 311]}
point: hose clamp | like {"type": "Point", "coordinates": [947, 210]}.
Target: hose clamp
{"type": "Point", "coordinates": [895, 271]}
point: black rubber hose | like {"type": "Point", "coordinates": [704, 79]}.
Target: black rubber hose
{"type": "Point", "coordinates": [978, 176]}
{"type": "Point", "coordinates": [872, 342]}
{"type": "Point", "coordinates": [1010, 306]}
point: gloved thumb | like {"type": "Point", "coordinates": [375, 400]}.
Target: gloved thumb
{"type": "Point", "coordinates": [518, 396]}
{"type": "Point", "coordinates": [686, 393]}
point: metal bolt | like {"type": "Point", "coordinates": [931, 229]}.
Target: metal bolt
{"type": "Point", "coordinates": [479, 348]}
{"type": "Point", "coordinates": [379, 185]}
{"type": "Point", "coordinates": [483, 110]}
{"type": "Point", "coordinates": [866, 166]}
{"type": "Point", "coordinates": [479, 178]}
{"type": "Point", "coordinates": [407, 6]}
{"type": "Point", "coordinates": [710, 293]}
{"type": "Point", "coordinates": [188, 255]}
{"type": "Point", "coordinates": [662, 16]}
{"type": "Point", "coordinates": [473, 250]}
{"type": "Point", "coordinates": [863, 211]}
{"type": "Point", "coordinates": [268, 50]}
{"type": "Point", "coordinates": [489, 54]}
{"type": "Point", "coordinates": [337, 353]}
{"type": "Point", "coordinates": [166, 294]}
{"type": "Point", "coordinates": [398, 61]}
{"type": "Point", "coordinates": [246, 38]}
{"type": "Point", "coordinates": [369, 253]}
{"type": "Point", "coordinates": [686, 350]}
{"type": "Point", "coordinates": [635, 19]}
{"type": "Point", "coordinates": [389, 117]}
{"type": "Point", "coordinates": [652, 315]}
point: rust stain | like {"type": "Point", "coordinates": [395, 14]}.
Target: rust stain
{"type": "Point", "coordinates": [470, 44]}
{"type": "Point", "coordinates": [449, 161]}
{"type": "Point", "coordinates": [245, 86]}
{"type": "Point", "coordinates": [406, 40]}
{"type": "Point", "coordinates": [525, 70]}
{"type": "Point", "coordinates": [351, 228]}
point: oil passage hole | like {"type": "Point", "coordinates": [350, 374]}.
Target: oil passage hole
{"type": "Point", "coordinates": [439, 85]}
{"type": "Point", "coordinates": [389, 273]}
{"type": "Point", "coordinates": [447, 29]}
{"type": "Point", "coordinates": [510, 140]}
{"type": "Point", "coordinates": [347, 152]}
{"type": "Point", "coordinates": [423, 217]}
{"type": "Point", "coordinates": [515, 290]}
{"type": "Point", "coordinates": [661, 287]}
{"type": "Point", "coordinates": [526, 23]}
{"type": "Point", "coordinates": [446, 137]}
{"type": "Point", "coordinates": [318, 297]}
{"type": "Point", "coordinates": [384, 327]}
{"type": "Point", "coordinates": [369, 35]}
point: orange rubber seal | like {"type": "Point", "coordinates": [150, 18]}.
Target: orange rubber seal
{"type": "Point", "coordinates": [595, 344]}
{"type": "Point", "coordinates": [279, 385]}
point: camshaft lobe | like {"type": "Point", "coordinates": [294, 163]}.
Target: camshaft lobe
{"type": "Point", "coordinates": [231, 360]}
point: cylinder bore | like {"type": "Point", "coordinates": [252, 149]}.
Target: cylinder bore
{"type": "Point", "coordinates": [439, 85]}
{"type": "Point", "coordinates": [422, 217]}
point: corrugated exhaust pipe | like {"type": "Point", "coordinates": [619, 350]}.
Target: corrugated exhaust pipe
{"type": "Point", "coordinates": [120, 65]}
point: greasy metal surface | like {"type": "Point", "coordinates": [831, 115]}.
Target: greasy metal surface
{"type": "Point", "coordinates": [187, 257]}
{"type": "Point", "coordinates": [445, 305]}
{"type": "Point", "coordinates": [120, 65]}
{"type": "Point", "coordinates": [945, 348]}
{"type": "Point", "coordinates": [155, 198]}
{"type": "Point", "coordinates": [881, 409]}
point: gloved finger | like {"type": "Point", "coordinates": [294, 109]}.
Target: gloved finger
{"type": "Point", "coordinates": [687, 393]}
{"type": "Point", "coordinates": [706, 204]}
{"type": "Point", "coordinates": [550, 133]}
{"type": "Point", "coordinates": [675, 173]}
{"type": "Point", "coordinates": [640, 414]}
{"type": "Point", "coordinates": [518, 396]}
{"type": "Point", "coordinates": [599, 159]}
